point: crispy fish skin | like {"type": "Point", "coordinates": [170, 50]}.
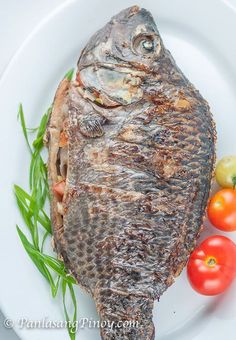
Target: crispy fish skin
{"type": "Point", "coordinates": [140, 161]}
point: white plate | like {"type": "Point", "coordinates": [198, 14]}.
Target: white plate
{"type": "Point", "coordinates": [201, 36]}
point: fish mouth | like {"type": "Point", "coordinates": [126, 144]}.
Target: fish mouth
{"type": "Point", "coordinates": [111, 85]}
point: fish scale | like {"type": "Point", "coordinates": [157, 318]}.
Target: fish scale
{"type": "Point", "coordinates": [140, 158]}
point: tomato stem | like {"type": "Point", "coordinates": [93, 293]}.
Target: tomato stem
{"type": "Point", "coordinates": [211, 261]}
{"type": "Point", "coordinates": [234, 181]}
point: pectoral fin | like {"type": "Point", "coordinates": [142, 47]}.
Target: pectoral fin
{"type": "Point", "coordinates": [92, 125]}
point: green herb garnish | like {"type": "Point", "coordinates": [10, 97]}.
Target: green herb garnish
{"type": "Point", "coordinates": [32, 208]}
{"type": "Point", "coordinates": [69, 74]}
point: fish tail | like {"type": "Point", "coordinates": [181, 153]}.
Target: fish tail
{"type": "Point", "coordinates": [125, 317]}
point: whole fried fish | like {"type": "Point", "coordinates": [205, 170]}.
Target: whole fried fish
{"type": "Point", "coordinates": [131, 154]}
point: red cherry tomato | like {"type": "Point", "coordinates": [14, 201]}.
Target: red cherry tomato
{"type": "Point", "coordinates": [222, 210]}
{"type": "Point", "coordinates": [212, 265]}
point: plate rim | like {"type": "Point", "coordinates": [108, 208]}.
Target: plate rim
{"type": "Point", "coordinates": [45, 21]}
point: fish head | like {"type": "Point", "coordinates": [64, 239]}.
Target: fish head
{"type": "Point", "coordinates": [113, 66]}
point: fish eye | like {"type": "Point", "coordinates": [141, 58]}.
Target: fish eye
{"type": "Point", "coordinates": [148, 45]}
{"type": "Point", "coordinates": [144, 44]}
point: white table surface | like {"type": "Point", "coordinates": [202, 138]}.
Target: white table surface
{"type": "Point", "coordinates": [17, 20]}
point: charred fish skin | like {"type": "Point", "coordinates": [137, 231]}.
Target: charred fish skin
{"type": "Point", "coordinates": [141, 152]}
